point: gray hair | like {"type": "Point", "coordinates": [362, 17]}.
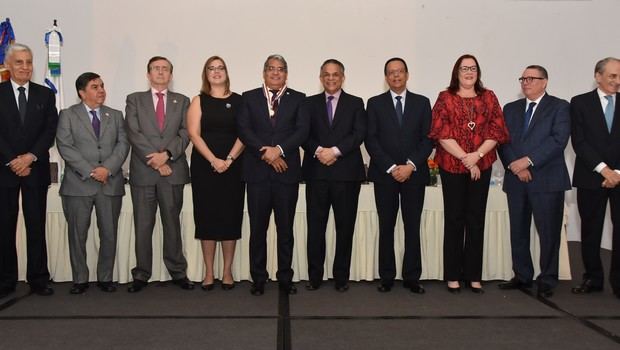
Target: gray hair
{"type": "Point", "coordinates": [277, 58]}
{"type": "Point", "coordinates": [600, 65]}
{"type": "Point", "coordinates": [16, 47]}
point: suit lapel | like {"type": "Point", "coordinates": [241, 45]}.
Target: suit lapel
{"type": "Point", "coordinates": [172, 108]}
{"type": "Point", "coordinates": [147, 100]}
{"type": "Point", "coordinates": [10, 101]}
{"type": "Point", "coordinates": [615, 124]}
{"type": "Point", "coordinates": [389, 106]}
{"type": "Point", "coordinates": [338, 112]}
{"type": "Point", "coordinates": [600, 118]}
{"type": "Point", "coordinates": [320, 104]}
{"type": "Point", "coordinates": [538, 113]}
{"type": "Point", "coordinates": [106, 120]}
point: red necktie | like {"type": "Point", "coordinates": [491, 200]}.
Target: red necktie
{"type": "Point", "coordinates": [159, 110]}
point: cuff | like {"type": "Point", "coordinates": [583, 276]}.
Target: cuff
{"type": "Point", "coordinates": [600, 167]}
{"type": "Point", "coordinates": [281, 151]}
{"type": "Point", "coordinates": [389, 171]}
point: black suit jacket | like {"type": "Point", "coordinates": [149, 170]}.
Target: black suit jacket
{"type": "Point", "coordinates": [35, 135]}
{"type": "Point", "coordinates": [592, 142]}
{"type": "Point", "coordinates": [256, 131]}
{"type": "Point", "coordinates": [389, 143]}
{"type": "Point", "coordinates": [543, 142]}
{"type": "Point", "coordinates": [346, 132]}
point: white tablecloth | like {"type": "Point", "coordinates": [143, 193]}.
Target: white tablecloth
{"type": "Point", "coordinates": [497, 257]}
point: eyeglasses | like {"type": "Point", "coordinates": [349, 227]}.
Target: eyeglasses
{"type": "Point", "coordinates": [160, 68]}
{"type": "Point", "coordinates": [529, 79]}
{"type": "Point", "coordinates": [276, 69]}
{"type": "Point", "coordinates": [464, 69]}
{"type": "Point", "coordinates": [216, 69]}
{"type": "Point", "coordinates": [396, 72]}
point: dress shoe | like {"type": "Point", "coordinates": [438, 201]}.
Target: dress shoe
{"type": "Point", "coordinates": [514, 284]}
{"type": "Point", "coordinates": [5, 291]}
{"type": "Point", "coordinates": [107, 287]}
{"type": "Point", "coordinates": [312, 286]}
{"type": "Point", "coordinates": [586, 287]}
{"type": "Point", "coordinates": [78, 288]}
{"type": "Point", "coordinates": [257, 289]}
{"type": "Point", "coordinates": [414, 287]}
{"type": "Point", "coordinates": [184, 283]}
{"type": "Point", "coordinates": [207, 287]}
{"type": "Point", "coordinates": [228, 286]}
{"type": "Point", "coordinates": [477, 290]}
{"type": "Point", "coordinates": [544, 293]}
{"type": "Point", "coordinates": [42, 291]}
{"type": "Point", "coordinates": [454, 290]}
{"type": "Point", "coordinates": [289, 288]}
{"type": "Point", "coordinates": [136, 286]}
{"type": "Point", "coordinates": [341, 287]}
{"type": "Point", "coordinates": [384, 288]}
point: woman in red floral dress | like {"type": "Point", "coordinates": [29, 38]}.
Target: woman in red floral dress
{"type": "Point", "coordinates": [467, 125]}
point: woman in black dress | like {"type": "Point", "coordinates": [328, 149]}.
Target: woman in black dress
{"type": "Point", "coordinates": [217, 188]}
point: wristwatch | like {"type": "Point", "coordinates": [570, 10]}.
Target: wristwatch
{"type": "Point", "coordinates": [480, 154]}
{"type": "Point", "coordinates": [231, 158]}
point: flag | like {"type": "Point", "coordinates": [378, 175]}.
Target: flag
{"type": "Point", "coordinates": [7, 36]}
{"type": "Point", "coordinates": [53, 79]}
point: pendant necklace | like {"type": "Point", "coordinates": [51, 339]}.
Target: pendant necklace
{"type": "Point", "coordinates": [470, 112]}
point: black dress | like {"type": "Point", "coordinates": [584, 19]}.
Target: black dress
{"type": "Point", "coordinates": [218, 198]}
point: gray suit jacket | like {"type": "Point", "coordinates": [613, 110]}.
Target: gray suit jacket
{"type": "Point", "coordinates": [145, 137]}
{"type": "Point", "coordinates": [82, 151]}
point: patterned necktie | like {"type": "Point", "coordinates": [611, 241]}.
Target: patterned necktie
{"type": "Point", "coordinates": [22, 103]}
{"type": "Point", "coordinates": [95, 122]}
{"type": "Point", "coordinates": [274, 106]}
{"type": "Point", "coordinates": [609, 112]}
{"type": "Point", "coordinates": [330, 109]}
{"type": "Point", "coordinates": [528, 116]}
{"type": "Point", "coordinates": [399, 110]}
{"type": "Point", "coordinates": [159, 110]}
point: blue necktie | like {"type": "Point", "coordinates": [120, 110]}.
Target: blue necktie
{"type": "Point", "coordinates": [528, 116]}
{"type": "Point", "coordinates": [330, 109]}
{"type": "Point", "coordinates": [96, 123]}
{"type": "Point", "coordinates": [399, 110]}
{"type": "Point", "coordinates": [609, 112]}
{"type": "Point", "coordinates": [22, 103]}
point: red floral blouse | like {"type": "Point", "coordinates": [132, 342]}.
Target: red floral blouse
{"type": "Point", "coordinates": [469, 121]}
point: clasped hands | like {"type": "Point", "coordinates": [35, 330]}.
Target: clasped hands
{"type": "Point", "coordinates": [326, 156]}
{"type": "Point", "coordinates": [612, 178]}
{"type": "Point", "coordinates": [157, 161]}
{"type": "Point", "coordinates": [21, 164]}
{"type": "Point", "coordinates": [469, 161]}
{"type": "Point", "coordinates": [520, 167]}
{"type": "Point", "coordinates": [272, 156]}
{"type": "Point", "coordinates": [402, 173]}
{"type": "Point", "coordinates": [100, 174]}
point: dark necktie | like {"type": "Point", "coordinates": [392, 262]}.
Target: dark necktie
{"type": "Point", "coordinates": [95, 122]}
{"type": "Point", "coordinates": [330, 109]}
{"type": "Point", "coordinates": [528, 116]}
{"type": "Point", "coordinates": [274, 105]}
{"type": "Point", "coordinates": [159, 110]}
{"type": "Point", "coordinates": [22, 102]}
{"type": "Point", "coordinates": [399, 110]}
{"type": "Point", "coordinates": [609, 112]}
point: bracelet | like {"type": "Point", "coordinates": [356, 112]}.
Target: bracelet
{"type": "Point", "coordinates": [231, 158]}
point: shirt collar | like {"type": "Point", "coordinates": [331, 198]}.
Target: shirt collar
{"type": "Point", "coordinates": [394, 94]}
{"type": "Point", "coordinates": [16, 85]}
{"type": "Point", "coordinates": [155, 91]}
{"type": "Point", "coordinates": [336, 95]}
{"type": "Point", "coordinates": [537, 101]}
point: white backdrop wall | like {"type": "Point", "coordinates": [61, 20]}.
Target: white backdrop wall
{"type": "Point", "coordinates": [116, 38]}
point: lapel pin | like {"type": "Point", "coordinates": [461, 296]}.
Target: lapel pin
{"type": "Point", "coordinates": [107, 114]}
{"type": "Point", "coordinates": [228, 106]}
{"type": "Point", "coordinates": [174, 101]}
{"type": "Point", "coordinates": [288, 93]}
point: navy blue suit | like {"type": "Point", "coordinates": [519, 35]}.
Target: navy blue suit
{"type": "Point", "coordinates": [337, 185]}
{"type": "Point", "coordinates": [388, 142]}
{"type": "Point", "coordinates": [543, 142]}
{"type": "Point", "coordinates": [35, 135]}
{"type": "Point", "coordinates": [268, 190]}
{"type": "Point", "coordinates": [594, 144]}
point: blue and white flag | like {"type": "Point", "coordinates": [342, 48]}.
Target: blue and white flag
{"type": "Point", "coordinates": [53, 76]}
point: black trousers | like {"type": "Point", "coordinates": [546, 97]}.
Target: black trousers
{"type": "Point", "coordinates": [34, 207]}
{"type": "Point", "coordinates": [464, 203]}
{"type": "Point", "coordinates": [262, 198]}
{"type": "Point", "coordinates": [592, 204]}
{"type": "Point", "coordinates": [343, 197]}
{"type": "Point", "coordinates": [388, 196]}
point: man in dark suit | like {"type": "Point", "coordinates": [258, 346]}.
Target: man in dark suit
{"type": "Point", "coordinates": [91, 139]}
{"type": "Point", "coordinates": [398, 124]}
{"type": "Point", "coordinates": [595, 124]}
{"type": "Point", "coordinates": [155, 124]}
{"type": "Point", "coordinates": [333, 169]}
{"type": "Point", "coordinates": [28, 120]}
{"type": "Point", "coordinates": [272, 131]}
{"type": "Point", "coordinates": [536, 178]}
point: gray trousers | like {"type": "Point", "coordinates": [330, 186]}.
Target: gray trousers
{"type": "Point", "coordinates": [78, 213]}
{"type": "Point", "coordinates": [145, 201]}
